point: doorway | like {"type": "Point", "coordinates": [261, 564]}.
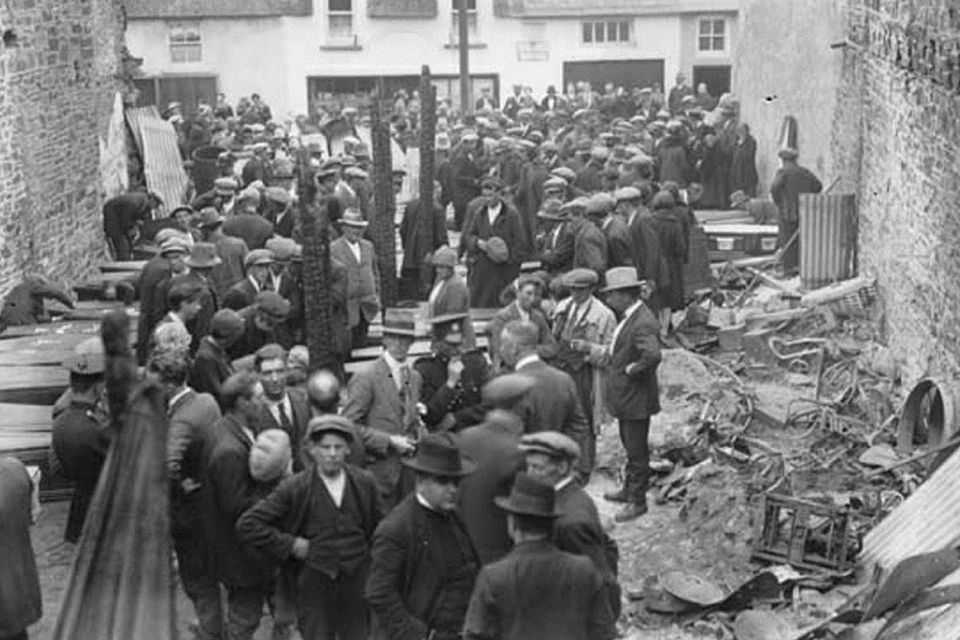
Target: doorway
{"type": "Point", "coordinates": [717, 78]}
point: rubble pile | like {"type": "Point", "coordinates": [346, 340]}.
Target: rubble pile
{"type": "Point", "coordinates": [787, 437]}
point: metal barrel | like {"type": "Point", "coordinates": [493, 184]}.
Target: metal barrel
{"type": "Point", "coordinates": [205, 167]}
{"type": "Point", "coordinates": [827, 238]}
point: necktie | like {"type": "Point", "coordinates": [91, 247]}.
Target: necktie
{"type": "Point", "coordinates": [285, 422]}
{"type": "Point", "coordinates": [404, 388]}
{"type": "Point", "coordinates": [571, 320]}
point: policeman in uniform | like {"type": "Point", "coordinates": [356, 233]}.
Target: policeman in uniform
{"type": "Point", "coordinates": [81, 434]}
{"type": "Point", "coordinates": [452, 377]}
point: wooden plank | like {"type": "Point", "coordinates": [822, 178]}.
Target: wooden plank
{"type": "Point", "coordinates": [32, 385]}
{"type": "Point", "coordinates": [87, 328]}
{"type": "Point", "coordinates": [419, 348]}
{"type": "Point", "coordinates": [124, 266]}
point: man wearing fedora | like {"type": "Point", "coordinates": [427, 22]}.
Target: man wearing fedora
{"type": "Point", "coordinates": [241, 294]}
{"type": "Point", "coordinates": [423, 561]}
{"type": "Point", "coordinates": [493, 446]}
{"type": "Point", "coordinates": [201, 261]}
{"type": "Point", "coordinates": [550, 456]}
{"type": "Point", "coordinates": [632, 391]}
{"type": "Point", "coordinates": [382, 400]}
{"type": "Point", "coordinates": [583, 327]}
{"type": "Point", "coordinates": [231, 250]}
{"type": "Point", "coordinates": [537, 591]}
{"type": "Point", "coordinates": [262, 323]}
{"type": "Point", "coordinates": [320, 523]}
{"type": "Point", "coordinates": [363, 274]}
{"type": "Point", "coordinates": [452, 376]}
{"type": "Point", "coordinates": [495, 244]}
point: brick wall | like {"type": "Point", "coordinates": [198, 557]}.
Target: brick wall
{"type": "Point", "coordinates": [56, 90]}
{"type": "Point", "coordinates": [783, 65]}
{"type": "Point", "coordinates": [897, 135]}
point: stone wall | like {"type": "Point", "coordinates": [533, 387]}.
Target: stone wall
{"type": "Point", "coordinates": [784, 65]}
{"type": "Point", "coordinates": [897, 136]}
{"type": "Point", "coordinates": [56, 90]}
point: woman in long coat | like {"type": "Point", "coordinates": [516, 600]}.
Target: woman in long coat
{"type": "Point", "coordinates": [20, 602]}
{"type": "Point", "coordinates": [743, 165]}
{"type": "Point", "coordinates": [673, 248]}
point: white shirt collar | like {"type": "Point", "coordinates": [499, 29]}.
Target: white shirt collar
{"type": "Point", "coordinates": [394, 367]}
{"type": "Point", "coordinates": [633, 308]}
{"type": "Point", "coordinates": [253, 280]}
{"type": "Point", "coordinates": [524, 361]}
{"type": "Point", "coordinates": [423, 502]}
{"type": "Point", "coordinates": [177, 396]}
{"type": "Point", "coordinates": [563, 483]}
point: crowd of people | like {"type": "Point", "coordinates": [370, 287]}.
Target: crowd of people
{"type": "Point", "coordinates": [441, 494]}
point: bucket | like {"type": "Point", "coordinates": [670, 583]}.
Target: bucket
{"type": "Point", "coordinates": [206, 167]}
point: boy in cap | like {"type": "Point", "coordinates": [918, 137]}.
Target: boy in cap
{"type": "Point", "coordinates": [322, 520]}
{"type": "Point", "coordinates": [262, 323]}
{"type": "Point", "coordinates": [537, 591]}
{"type": "Point", "coordinates": [81, 435]}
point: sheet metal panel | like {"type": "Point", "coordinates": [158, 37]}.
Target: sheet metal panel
{"type": "Point", "coordinates": [134, 115]}
{"type": "Point", "coordinates": [826, 238]}
{"type": "Point", "coordinates": [929, 520]}
{"type": "Point", "coordinates": [162, 163]}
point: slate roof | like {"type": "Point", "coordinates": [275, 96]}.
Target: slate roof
{"type": "Point", "coordinates": [216, 8]}
{"type": "Point", "coordinates": [577, 8]}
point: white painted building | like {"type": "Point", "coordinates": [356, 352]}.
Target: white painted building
{"type": "Point", "coordinates": [289, 51]}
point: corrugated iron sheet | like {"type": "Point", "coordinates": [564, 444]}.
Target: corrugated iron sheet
{"type": "Point", "coordinates": [134, 115]}
{"type": "Point", "coordinates": [826, 238]}
{"type": "Point", "coordinates": [162, 163]}
{"type": "Point", "coordinates": [929, 520]}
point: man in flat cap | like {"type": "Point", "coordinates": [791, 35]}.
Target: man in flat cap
{"type": "Point", "coordinates": [493, 446]}
{"type": "Point", "coordinates": [278, 210]}
{"type": "Point", "coordinates": [537, 591]}
{"type": "Point", "coordinates": [320, 524]}
{"type": "Point", "coordinates": [257, 264]}
{"type": "Point", "coordinates": [589, 243]}
{"type": "Point", "coordinates": [525, 308]}
{"type": "Point", "coordinates": [81, 435]}
{"type": "Point", "coordinates": [247, 224]}
{"type": "Point", "coordinates": [174, 247]}
{"type": "Point", "coordinates": [494, 227]}
{"type": "Point", "coordinates": [789, 182]}
{"type": "Point", "coordinates": [588, 178]}
{"type": "Point", "coordinates": [621, 251]}
{"type": "Point", "coordinates": [464, 176]}
{"type": "Point", "coordinates": [424, 563]}
{"type": "Point", "coordinates": [423, 231]}
{"type": "Point", "coordinates": [232, 251]}
{"type": "Point", "coordinates": [262, 324]}
{"type": "Point", "coordinates": [123, 215]}
{"type": "Point", "coordinates": [550, 456]}
{"type": "Point", "coordinates": [556, 244]}
{"type": "Point", "coordinates": [583, 327]}
{"type": "Point", "coordinates": [211, 364]}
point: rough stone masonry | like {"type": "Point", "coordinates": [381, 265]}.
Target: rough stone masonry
{"type": "Point", "coordinates": [58, 67]}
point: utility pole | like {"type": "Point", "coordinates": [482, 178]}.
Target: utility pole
{"type": "Point", "coordinates": [465, 96]}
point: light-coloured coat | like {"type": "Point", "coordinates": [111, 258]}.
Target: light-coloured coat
{"type": "Point", "coordinates": [363, 279]}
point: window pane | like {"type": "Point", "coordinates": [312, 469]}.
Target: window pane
{"type": "Point", "coordinates": [598, 31]}
{"type": "Point", "coordinates": [705, 27]}
{"type": "Point", "coordinates": [471, 5]}
{"type": "Point", "coordinates": [587, 32]}
{"type": "Point", "coordinates": [719, 26]}
{"type": "Point", "coordinates": [718, 43]}
{"type": "Point", "coordinates": [341, 26]}
{"type": "Point", "coordinates": [339, 5]}
{"type": "Point", "coordinates": [624, 32]}
{"type": "Point", "coordinates": [705, 43]}
{"type": "Point", "coordinates": [611, 32]}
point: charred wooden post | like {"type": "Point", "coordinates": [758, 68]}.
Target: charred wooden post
{"type": "Point", "coordinates": [382, 226]}
{"type": "Point", "coordinates": [121, 585]}
{"type": "Point", "coordinates": [317, 314]}
{"type": "Point", "coordinates": [428, 133]}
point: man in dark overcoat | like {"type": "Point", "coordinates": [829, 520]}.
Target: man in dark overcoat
{"type": "Point", "coordinates": [211, 364]}
{"type": "Point", "coordinates": [81, 436]}
{"type": "Point", "coordinates": [20, 600]}
{"type": "Point", "coordinates": [424, 563]}
{"type": "Point", "coordinates": [550, 456]}
{"type": "Point", "coordinates": [493, 446]}
{"type": "Point", "coordinates": [632, 391]}
{"type": "Point", "coordinates": [493, 240]}
{"type": "Point", "coordinates": [320, 522]}
{"type": "Point", "coordinates": [537, 591]}
{"type": "Point", "coordinates": [789, 182]}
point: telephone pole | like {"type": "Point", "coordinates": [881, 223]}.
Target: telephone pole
{"type": "Point", "coordinates": [465, 96]}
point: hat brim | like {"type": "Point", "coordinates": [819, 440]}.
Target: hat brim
{"type": "Point", "coordinates": [316, 434]}
{"type": "Point", "coordinates": [392, 331]}
{"type": "Point", "coordinates": [448, 317]}
{"type": "Point", "coordinates": [467, 467]}
{"type": "Point", "coordinates": [203, 265]}
{"type": "Point", "coordinates": [618, 287]}
{"type": "Point", "coordinates": [351, 223]}
{"type": "Point", "coordinates": [504, 503]}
